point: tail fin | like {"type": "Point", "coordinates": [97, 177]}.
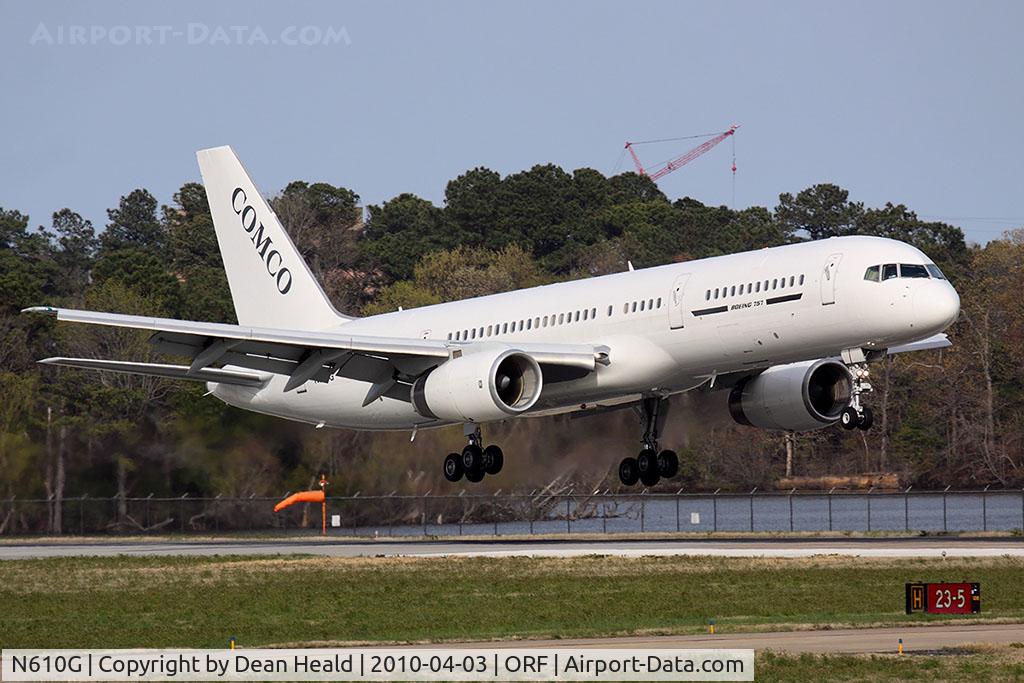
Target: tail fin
{"type": "Point", "coordinates": [271, 285]}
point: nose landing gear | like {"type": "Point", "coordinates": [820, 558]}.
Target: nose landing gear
{"type": "Point", "coordinates": [475, 460]}
{"type": "Point", "coordinates": [856, 415]}
{"type": "Point", "coordinates": [651, 465]}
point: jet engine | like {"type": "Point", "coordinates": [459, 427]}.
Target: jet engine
{"type": "Point", "coordinates": [479, 386]}
{"type": "Point", "coordinates": [795, 397]}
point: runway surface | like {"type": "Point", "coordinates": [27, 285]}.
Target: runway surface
{"type": "Point", "coordinates": [916, 640]}
{"type": "Point", "coordinates": [854, 547]}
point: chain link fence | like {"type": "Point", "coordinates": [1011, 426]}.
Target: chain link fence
{"type": "Point", "coordinates": [510, 514]}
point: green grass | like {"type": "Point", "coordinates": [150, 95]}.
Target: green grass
{"type": "Point", "coordinates": [974, 664]}
{"type": "Point", "coordinates": [200, 602]}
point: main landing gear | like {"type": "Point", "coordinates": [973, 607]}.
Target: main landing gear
{"type": "Point", "coordinates": [856, 415]}
{"type": "Point", "coordinates": [475, 460]}
{"type": "Point", "coordinates": [651, 464]}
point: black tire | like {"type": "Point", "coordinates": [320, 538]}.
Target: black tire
{"type": "Point", "coordinates": [668, 464]}
{"type": "Point", "coordinates": [475, 476]}
{"type": "Point", "coordinates": [629, 474]}
{"type": "Point", "coordinates": [472, 459]}
{"type": "Point", "coordinates": [647, 461]}
{"type": "Point", "coordinates": [849, 418]}
{"type": "Point", "coordinates": [453, 467]}
{"type": "Point", "coordinates": [866, 420]}
{"type": "Point", "coordinates": [650, 477]}
{"type": "Point", "coordinates": [494, 459]}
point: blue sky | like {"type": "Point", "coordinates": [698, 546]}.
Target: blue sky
{"type": "Point", "coordinates": [913, 102]}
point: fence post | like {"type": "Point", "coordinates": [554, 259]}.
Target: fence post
{"type": "Point", "coordinates": [643, 512]}
{"type": "Point", "coordinates": [181, 512]}
{"type": "Point", "coordinates": [906, 507]}
{"type": "Point", "coordinates": [752, 508]}
{"type": "Point", "coordinates": [604, 515]}
{"type": "Point", "coordinates": [677, 510]}
{"type": "Point", "coordinates": [869, 506]}
{"type": "Point", "coordinates": [791, 492]}
{"type": "Point", "coordinates": [148, 499]}
{"type": "Point", "coordinates": [944, 527]}
{"type": "Point", "coordinates": [531, 519]}
{"type": "Point", "coordinates": [568, 525]}
{"type": "Point", "coordinates": [830, 492]}
{"type": "Point", "coordinates": [984, 508]}
{"type": "Point", "coordinates": [81, 515]}
{"type": "Point", "coordinates": [714, 509]}
{"type": "Point", "coordinates": [495, 516]}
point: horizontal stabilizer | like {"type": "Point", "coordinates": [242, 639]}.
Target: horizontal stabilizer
{"type": "Point", "coordinates": [244, 379]}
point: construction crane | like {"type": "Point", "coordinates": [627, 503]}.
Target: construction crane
{"type": "Point", "coordinates": [681, 161]}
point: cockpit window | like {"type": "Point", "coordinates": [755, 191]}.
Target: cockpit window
{"type": "Point", "coordinates": [934, 271]}
{"type": "Point", "coordinates": [889, 271]}
{"type": "Point", "coordinates": [913, 270]}
{"type": "Point", "coordinates": [872, 273]}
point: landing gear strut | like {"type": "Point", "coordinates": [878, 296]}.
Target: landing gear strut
{"type": "Point", "coordinates": [475, 460]}
{"type": "Point", "coordinates": [856, 415]}
{"type": "Point", "coordinates": [651, 464]}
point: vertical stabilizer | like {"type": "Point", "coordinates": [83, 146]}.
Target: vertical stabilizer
{"type": "Point", "coordinates": [271, 285]}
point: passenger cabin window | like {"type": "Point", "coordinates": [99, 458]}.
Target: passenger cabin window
{"type": "Point", "coordinates": [801, 279]}
{"type": "Point", "coordinates": [889, 271]}
{"type": "Point", "coordinates": [872, 274]}
{"type": "Point", "coordinates": [913, 270]}
{"type": "Point", "coordinates": [609, 310]}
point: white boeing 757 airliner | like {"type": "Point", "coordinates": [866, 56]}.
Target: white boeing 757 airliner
{"type": "Point", "coordinates": [789, 331]}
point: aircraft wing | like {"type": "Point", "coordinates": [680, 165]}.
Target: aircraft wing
{"type": "Point", "coordinates": [301, 355]}
{"type": "Point", "coordinates": [937, 341]}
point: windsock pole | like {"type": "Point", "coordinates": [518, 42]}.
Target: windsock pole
{"type": "Point", "coordinates": [323, 506]}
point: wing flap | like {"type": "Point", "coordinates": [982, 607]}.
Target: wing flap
{"type": "Point", "coordinates": [219, 375]}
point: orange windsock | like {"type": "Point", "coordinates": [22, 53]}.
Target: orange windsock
{"type": "Point", "coordinates": [300, 497]}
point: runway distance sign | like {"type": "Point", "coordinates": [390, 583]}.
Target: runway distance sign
{"type": "Point", "coordinates": [943, 598]}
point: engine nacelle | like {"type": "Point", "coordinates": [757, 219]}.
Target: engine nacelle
{"type": "Point", "coordinates": [795, 397]}
{"type": "Point", "coordinates": [479, 386]}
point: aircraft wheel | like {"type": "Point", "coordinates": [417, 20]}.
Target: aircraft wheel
{"type": "Point", "coordinates": [475, 476]}
{"type": "Point", "coordinates": [668, 464]}
{"type": "Point", "coordinates": [866, 420]}
{"type": "Point", "coordinates": [472, 459]}
{"type": "Point", "coordinates": [629, 474]}
{"type": "Point", "coordinates": [453, 467]}
{"type": "Point", "coordinates": [650, 477]}
{"type": "Point", "coordinates": [493, 459]}
{"type": "Point", "coordinates": [647, 461]}
{"type": "Point", "coordinates": [849, 418]}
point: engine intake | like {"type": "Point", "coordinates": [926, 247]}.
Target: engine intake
{"type": "Point", "coordinates": [795, 397]}
{"type": "Point", "coordinates": [479, 386]}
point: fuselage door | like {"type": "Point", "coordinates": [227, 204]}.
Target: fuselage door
{"type": "Point", "coordinates": [828, 279]}
{"type": "Point", "coordinates": [675, 302]}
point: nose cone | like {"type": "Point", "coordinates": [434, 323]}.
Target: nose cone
{"type": "Point", "coordinates": [936, 306]}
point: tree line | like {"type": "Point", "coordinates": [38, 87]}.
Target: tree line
{"type": "Point", "coordinates": [951, 417]}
